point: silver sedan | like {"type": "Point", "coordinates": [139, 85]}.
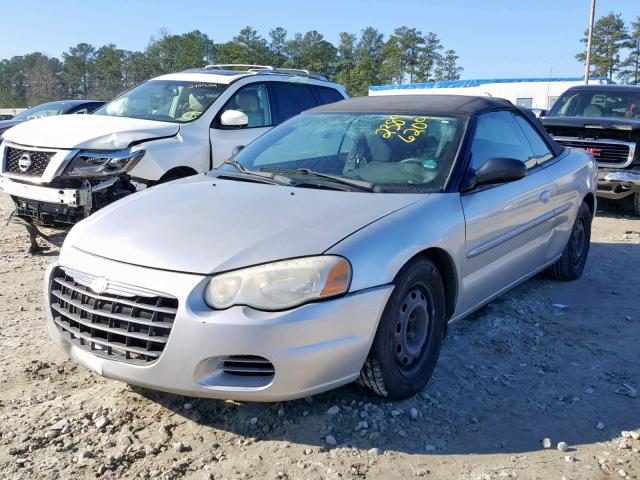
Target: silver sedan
{"type": "Point", "coordinates": [333, 249]}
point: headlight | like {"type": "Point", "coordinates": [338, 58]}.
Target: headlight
{"type": "Point", "coordinates": [107, 163]}
{"type": "Point", "coordinates": [280, 285]}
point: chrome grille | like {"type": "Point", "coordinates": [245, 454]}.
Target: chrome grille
{"type": "Point", "coordinates": [130, 328]}
{"type": "Point", "coordinates": [247, 365]}
{"type": "Point", "coordinates": [38, 161]}
{"type": "Point", "coordinates": [603, 152]}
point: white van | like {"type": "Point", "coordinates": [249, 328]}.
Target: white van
{"type": "Point", "coordinates": [61, 169]}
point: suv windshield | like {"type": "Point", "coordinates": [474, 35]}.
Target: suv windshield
{"type": "Point", "coordinates": [164, 100]}
{"type": "Point", "coordinates": [597, 103]}
{"type": "Point", "coordinates": [395, 153]}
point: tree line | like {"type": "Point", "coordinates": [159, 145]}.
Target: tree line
{"type": "Point", "coordinates": [356, 61]}
{"type": "Point", "coordinates": [615, 49]}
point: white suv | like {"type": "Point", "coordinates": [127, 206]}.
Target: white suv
{"type": "Point", "coordinates": [61, 169]}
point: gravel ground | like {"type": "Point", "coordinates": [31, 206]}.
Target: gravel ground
{"type": "Point", "coordinates": [542, 383]}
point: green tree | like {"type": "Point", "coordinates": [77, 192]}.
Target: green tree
{"type": "Point", "coordinates": [108, 72]}
{"type": "Point", "coordinates": [610, 36]}
{"type": "Point", "coordinates": [135, 69]}
{"type": "Point", "coordinates": [630, 71]}
{"type": "Point", "coordinates": [402, 54]}
{"type": "Point", "coordinates": [78, 63]}
{"type": "Point", "coordinates": [346, 60]}
{"type": "Point", "coordinates": [368, 67]}
{"type": "Point", "coordinates": [245, 48]}
{"type": "Point", "coordinates": [315, 53]}
{"type": "Point", "coordinates": [13, 83]}
{"type": "Point", "coordinates": [173, 53]}
{"type": "Point", "coordinates": [447, 68]}
{"type": "Point", "coordinates": [44, 78]}
{"type": "Point", "coordinates": [428, 58]}
{"type": "Point", "coordinates": [278, 47]}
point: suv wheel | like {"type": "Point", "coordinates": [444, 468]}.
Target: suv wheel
{"type": "Point", "coordinates": [408, 340]}
{"type": "Point", "coordinates": [574, 255]}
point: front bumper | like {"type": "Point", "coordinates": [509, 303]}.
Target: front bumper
{"type": "Point", "coordinates": [617, 184]}
{"type": "Point", "coordinates": [73, 197]}
{"type": "Point", "coordinates": [313, 348]}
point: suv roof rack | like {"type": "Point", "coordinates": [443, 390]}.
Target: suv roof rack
{"type": "Point", "coordinates": [244, 66]}
{"type": "Point", "coordinates": [266, 69]}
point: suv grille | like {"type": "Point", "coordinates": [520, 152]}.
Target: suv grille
{"type": "Point", "coordinates": [33, 166]}
{"type": "Point", "coordinates": [128, 327]}
{"type": "Point", "coordinates": [613, 153]}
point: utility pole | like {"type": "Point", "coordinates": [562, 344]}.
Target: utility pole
{"type": "Point", "coordinates": [588, 62]}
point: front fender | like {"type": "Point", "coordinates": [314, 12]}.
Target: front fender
{"type": "Point", "coordinates": [166, 153]}
{"type": "Point", "coordinates": [378, 251]}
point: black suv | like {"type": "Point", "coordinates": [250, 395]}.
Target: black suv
{"type": "Point", "coordinates": [605, 121]}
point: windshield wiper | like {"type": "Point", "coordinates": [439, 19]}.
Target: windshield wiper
{"type": "Point", "coordinates": [359, 184]}
{"type": "Point", "coordinates": [244, 172]}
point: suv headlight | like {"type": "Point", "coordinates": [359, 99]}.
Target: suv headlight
{"type": "Point", "coordinates": [280, 285]}
{"type": "Point", "coordinates": [89, 163]}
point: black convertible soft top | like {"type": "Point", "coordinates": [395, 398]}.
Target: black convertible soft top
{"type": "Point", "coordinates": [464, 105]}
{"type": "Point", "coordinates": [433, 104]}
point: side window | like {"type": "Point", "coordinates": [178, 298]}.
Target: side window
{"type": "Point", "coordinates": [82, 111]}
{"type": "Point", "coordinates": [253, 101]}
{"type": "Point", "coordinates": [291, 99]}
{"type": "Point", "coordinates": [540, 149]}
{"type": "Point", "coordinates": [498, 135]}
{"type": "Point", "coordinates": [93, 107]}
{"type": "Point", "coordinates": [327, 95]}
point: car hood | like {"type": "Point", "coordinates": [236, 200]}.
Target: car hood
{"type": "Point", "coordinates": [100, 132]}
{"type": "Point", "coordinates": [205, 225]}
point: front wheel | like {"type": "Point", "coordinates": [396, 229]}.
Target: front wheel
{"type": "Point", "coordinates": [574, 256]}
{"type": "Point", "coordinates": [408, 340]}
{"type": "Point", "coordinates": [636, 204]}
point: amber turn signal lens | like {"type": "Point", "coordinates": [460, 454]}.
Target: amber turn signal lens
{"type": "Point", "coordinates": [338, 279]}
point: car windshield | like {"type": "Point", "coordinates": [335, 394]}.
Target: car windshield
{"type": "Point", "coordinates": [392, 152]}
{"type": "Point", "coordinates": [44, 110]}
{"type": "Point", "coordinates": [597, 103]}
{"type": "Point", "coordinates": [164, 100]}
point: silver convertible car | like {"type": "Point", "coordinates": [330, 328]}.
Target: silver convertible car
{"type": "Point", "coordinates": [335, 248]}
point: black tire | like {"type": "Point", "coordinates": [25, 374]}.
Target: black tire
{"type": "Point", "coordinates": [636, 204]}
{"type": "Point", "coordinates": [574, 256]}
{"type": "Point", "coordinates": [407, 343]}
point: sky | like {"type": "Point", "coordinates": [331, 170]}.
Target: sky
{"type": "Point", "coordinates": [494, 38]}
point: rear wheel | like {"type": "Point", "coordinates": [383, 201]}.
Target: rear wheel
{"type": "Point", "coordinates": [574, 257]}
{"type": "Point", "coordinates": [408, 340]}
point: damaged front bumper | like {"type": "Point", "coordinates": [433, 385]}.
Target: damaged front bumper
{"type": "Point", "coordinates": [75, 197]}
{"type": "Point", "coordinates": [617, 184]}
{"type": "Point", "coordinates": [47, 204]}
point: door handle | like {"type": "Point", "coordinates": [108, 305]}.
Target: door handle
{"type": "Point", "coordinates": [545, 196]}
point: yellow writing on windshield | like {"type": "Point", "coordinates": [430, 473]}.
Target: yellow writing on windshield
{"type": "Point", "coordinates": [404, 127]}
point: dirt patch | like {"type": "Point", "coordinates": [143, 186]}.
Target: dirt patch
{"type": "Point", "coordinates": [549, 360]}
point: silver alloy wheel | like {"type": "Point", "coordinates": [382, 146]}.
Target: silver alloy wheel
{"type": "Point", "coordinates": [412, 329]}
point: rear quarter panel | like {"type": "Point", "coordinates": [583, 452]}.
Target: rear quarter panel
{"type": "Point", "coordinates": [575, 176]}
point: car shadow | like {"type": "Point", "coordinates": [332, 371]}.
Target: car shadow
{"type": "Point", "coordinates": [548, 359]}
{"type": "Point", "coordinates": [615, 208]}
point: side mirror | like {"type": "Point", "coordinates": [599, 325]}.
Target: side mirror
{"type": "Point", "coordinates": [495, 170]}
{"type": "Point", "coordinates": [236, 150]}
{"type": "Point", "coordinates": [234, 118]}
